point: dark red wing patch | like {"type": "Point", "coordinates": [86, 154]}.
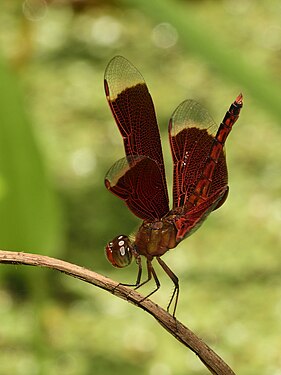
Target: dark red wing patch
{"type": "Point", "coordinates": [133, 110]}
{"type": "Point", "coordinates": [191, 134]}
{"type": "Point", "coordinates": [138, 181]}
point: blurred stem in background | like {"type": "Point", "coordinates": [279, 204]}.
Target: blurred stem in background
{"type": "Point", "coordinates": [196, 38]}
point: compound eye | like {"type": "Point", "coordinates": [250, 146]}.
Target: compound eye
{"type": "Point", "coordinates": [119, 251]}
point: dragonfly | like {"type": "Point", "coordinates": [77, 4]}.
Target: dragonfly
{"type": "Point", "coordinates": [200, 178]}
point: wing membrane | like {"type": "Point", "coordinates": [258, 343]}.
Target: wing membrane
{"type": "Point", "coordinates": [133, 110]}
{"type": "Point", "coordinates": [138, 181]}
{"type": "Point", "coordinates": [191, 134]}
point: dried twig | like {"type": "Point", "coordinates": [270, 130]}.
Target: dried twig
{"type": "Point", "coordinates": [210, 359]}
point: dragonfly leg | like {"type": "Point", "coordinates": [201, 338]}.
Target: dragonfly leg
{"type": "Point", "coordinates": [138, 261]}
{"type": "Point", "coordinates": [175, 280]}
{"type": "Point", "coordinates": [150, 273]}
{"type": "Point", "coordinates": [137, 283]}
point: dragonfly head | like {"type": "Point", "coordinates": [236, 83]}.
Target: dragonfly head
{"type": "Point", "coordinates": [119, 251]}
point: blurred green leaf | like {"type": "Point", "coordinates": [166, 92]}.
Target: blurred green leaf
{"type": "Point", "coordinates": [28, 210]}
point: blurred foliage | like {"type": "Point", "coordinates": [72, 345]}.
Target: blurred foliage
{"type": "Point", "coordinates": [57, 140]}
{"type": "Point", "coordinates": [27, 201]}
{"type": "Point", "coordinates": [192, 31]}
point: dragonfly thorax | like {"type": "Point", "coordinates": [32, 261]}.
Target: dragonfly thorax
{"type": "Point", "coordinates": [155, 238]}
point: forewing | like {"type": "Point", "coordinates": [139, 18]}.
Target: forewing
{"type": "Point", "coordinates": [191, 134]}
{"type": "Point", "coordinates": [133, 110]}
{"type": "Point", "coordinates": [138, 181]}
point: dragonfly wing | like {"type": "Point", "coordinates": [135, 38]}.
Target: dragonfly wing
{"type": "Point", "coordinates": [132, 107]}
{"type": "Point", "coordinates": [138, 181]}
{"type": "Point", "coordinates": [191, 134]}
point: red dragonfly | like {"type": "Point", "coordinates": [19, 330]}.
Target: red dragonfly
{"type": "Point", "coordinates": [199, 178]}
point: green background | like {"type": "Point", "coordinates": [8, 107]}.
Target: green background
{"type": "Point", "coordinates": [58, 139]}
